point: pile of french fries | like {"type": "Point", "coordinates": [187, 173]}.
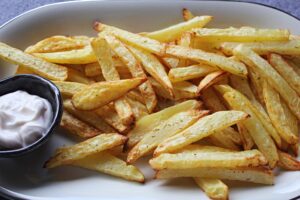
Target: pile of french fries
{"type": "Point", "coordinates": [204, 103]}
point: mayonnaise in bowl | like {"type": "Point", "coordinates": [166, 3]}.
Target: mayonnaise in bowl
{"type": "Point", "coordinates": [24, 118]}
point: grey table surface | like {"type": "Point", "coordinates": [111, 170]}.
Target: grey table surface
{"type": "Point", "coordinates": [11, 8]}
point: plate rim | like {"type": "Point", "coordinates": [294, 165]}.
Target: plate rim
{"type": "Point", "coordinates": [9, 194]}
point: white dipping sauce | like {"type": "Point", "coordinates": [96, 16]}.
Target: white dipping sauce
{"type": "Point", "coordinates": [24, 118]}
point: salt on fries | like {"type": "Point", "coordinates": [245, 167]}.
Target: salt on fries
{"type": "Point", "coordinates": [207, 103]}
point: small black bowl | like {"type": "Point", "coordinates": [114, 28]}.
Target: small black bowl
{"type": "Point", "coordinates": [37, 86]}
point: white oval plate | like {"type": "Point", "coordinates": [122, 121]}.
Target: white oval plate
{"type": "Point", "coordinates": [26, 175]}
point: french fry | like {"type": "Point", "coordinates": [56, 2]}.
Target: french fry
{"type": "Point", "coordinates": [170, 62]}
{"type": "Point", "coordinates": [255, 84]}
{"type": "Point", "coordinates": [185, 40]}
{"type": "Point", "coordinates": [294, 65]}
{"type": "Point", "coordinates": [23, 70]}
{"type": "Point", "coordinates": [287, 162]}
{"type": "Point", "coordinates": [243, 34]}
{"type": "Point", "coordinates": [76, 56]}
{"type": "Point", "coordinates": [54, 44]}
{"type": "Point", "coordinates": [173, 32]}
{"type": "Point", "coordinates": [69, 88]}
{"type": "Point", "coordinates": [94, 69]}
{"type": "Point", "coordinates": [210, 80]}
{"type": "Point", "coordinates": [202, 128]}
{"type": "Point", "coordinates": [262, 116]}
{"type": "Point", "coordinates": [111, 117]}
{"type": "Point", "coordinates": [277, 114]}
{"type": "Point", "coordinates": [248, 142]}
{"type": "Point", "coordinates": [271, 75]}
{"type": "Point", "coordinates": [254, 126]}
{"type": "Point", "coordinates": [290, 47]}
{"type": "Point", "coordinates": [187, 14]}
{"type": "Point", "coordinates": [255, 175]}
{"type": "Point", "coordinates": [36, 65]}
{"type": "Point", "coordinates": [132, 39]}
{"type": "Point", "coordinates": [76, 76]}
{"type": "Point", "coordinates": [135, 69]}
{"type": "Point", "coordinates": [213, 188]}
{"type": "Point", "coordinates": [212, 59]}
{"type": "Point", "coordinates": [139, 110]}
{"type": "Point", "coordinates": [109, 72]}
{"type": "Point", "coordinates": [166, 129]}
{"type": "Point", "coordinates": [250, 158]}
{"type": "Point", "coordinates": [135, 95]}
{"type": "Point", "coordinates": [212, 101]}
{"type": "Point", "coordinates": [67, 155]}
{"type": "Point", "coordinates": [190, 72]}
{"type": "Point", "coordinates": [90, 118]}
{"type": "Point", "coordinates": [285, 71]}
{"type": "Point", "coordinates": [78, 127]}
{"type": "Point", "coordinates": [153, 66]}
{"type": "Point", "coordinates": [149, 122]}
{"type": "Point", "coordinates": [100, 94]}
{"type": "Point", "coordinates": [106, 163]}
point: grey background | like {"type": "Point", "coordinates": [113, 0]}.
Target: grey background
{"type": "Point", "coordinates": [11, 8]}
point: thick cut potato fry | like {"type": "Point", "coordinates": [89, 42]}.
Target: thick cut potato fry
{"type": "Point", "coordinates": [202, 128]}
{"type": "Point", "coordinates": [109, 114]}
{"type": "Point", "coordinates": [256, 82]}
{"type": "Point", "coordinates": [290, 118]}
{"type": "Point", "coordinates": [67, 155]}
{"type": "Point", "coordinates": [23, 70]}
{"type": "Point", "coordinates": [243, 34]}
{"type": "Point", "coordinates": [213, 188]}
{"type": "Point", "coordinates": [277, 114]}
{"type": "Point", "coordinates": [135, 95]}
{"type": "Point", "coordinates": [94, 69]}
{"type": "Point", "coordinates": [36, 65]}
{"type": "Point", "coordinates": [190, 72]}
{"type": "Point", "coordinates": [139, 110]}
{"type": "Point", "coordinates": [294, 65]}
{"type": "Point", "coordinates": [250, 158]}
{"type": "Point", "coordinates": [135, 69]}
{"type": "Point", "coordinates": [262, 116]}
{"type": "Point", "coordinates": [110, 73]}
{"type": "Point", "coordinates": [76, 56]}
{"type": "Point", "coordinates": [210, 80]}
{"type": "Point", "coordinates": [77, 127]}
{"type": "Point", "coordinates": [286, 161]}
{"type": "Point", "coordinates": [150, 122]}
{"type": "Point", "coordinates": [132, 39]}
{"type": "Point", "coordinates": [106, 163]}
{"type": "Point", "coordinates": [212, 59]}
{"type": "Point", "coordinates": [291, 47]}
{"type": "Point", "coordinates": [255, 175]}
{"type": "Point", "coordinates": [247, 140]}
{"type": "Point", "coordinates": [153, 66]}
{"type": "Point", "coordinates": [173, 32]}
{"type": "Point", "coordinates": [220, 139]}
{"type": "Point", "coordinates": [285, 71]}
{"type": "Point", "coordinates": [170, 62]}
{"type": "Point", "coordinates": [100, 94]}
{"type": "Point", "coordinates": [187, 14]}
{"type": "Point", "coordinates": [271, 75]}
{"type": "Point", "coordinates": [185, 40]}
{"type": "Point", "coordinates": [69, 88]}
{"type": "Point", "coordinates": [212, 101]}
{"type": "Point", "coordinates": [254, 126]}
{"type": "Point", "coordinates": [90, 118]}
{"type": "Point", "coordinates": [76, 76]}
{"type": "Point", "coordinates": [54, 44]}
{"type": "Point", "coordinates": [168, 128]}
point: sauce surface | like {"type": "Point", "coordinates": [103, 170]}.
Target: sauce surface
{"type": "Point", "coordinates": [24, 118]}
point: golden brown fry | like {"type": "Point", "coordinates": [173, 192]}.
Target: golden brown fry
{"type": "Point", "coordinates": [135, 69]}
{"type": "Point", "coordinates": [153, 66]}
{"type": "Point", "coordinates": [212, 59]}
{"type": "Point", "coordinates": [255, 175]}
{"type": "Point", "coordinates": [23, 70]}
{"type": "Point", "coordinates": [106, 163]}
{"type": "Point", "coordinates": [190, 72]}
{"type": "Point", "coordinates": [202, 128]}
{"type": "Point", "coordinates": [287, 72]}
{"type": "Point", "coordinates": [243, 34]}
{"type": "Point", "coordinates": [212, 101]}
{"type": "Point", "coordinates": [100, 94]}
{"type": "Point", "coordinates": [187, 14]}
{"type": "Point", "coordinates": [175, 31]}
{"type": "Point", "coordinates": [69, 88]}
{"type": "Point", "coordinates": [76, 76]}
{"type": "Point", "coordinates": [255, 84]}
{"type": "Point", "coordinates": [286, 161]}
{"type": "Point", "coordinates": [90, 118]}
{"type": "Point", "coordinates": [132, 39]}
{"type": "Point", "coordinates": [135, 95]}
{"type": "Point", "coordinates": [185, 41]}
{"type": "Point", "coordinates": [213, 188]}
{"type": "Point", "coordinates": [210, 80]}
{"type": "Point", "coordinates": [54, 44]}
{"type": "Point", "coordinates": [277, 114]}
{"type": "Point", "coordinates": [170, 62]}
{"type": "Point", "coordinates": [247, 140]}
{"type": "Point", "coordinates": [67, 155]}
{"type": "Point", "coordinates": [36, 65]}
{"type": "Point", "coordinates": [78, 127]}
{"type": "Point", "coordinates": [271, 75]}
{"type": "Point", "coordinates": [139, 110]}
